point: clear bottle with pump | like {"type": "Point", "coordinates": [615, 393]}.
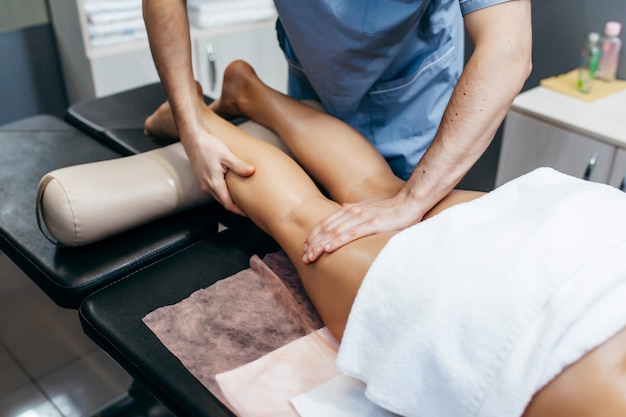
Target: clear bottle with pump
{"type": "Point", "coordinates": [589, 59]}
{"type": "Point", "coordinates": [611, 45]}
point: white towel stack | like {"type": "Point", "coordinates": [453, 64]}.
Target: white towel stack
{"type": "Point", "coordinates": [211, 13]}
{"type": "Point", "coordinates": [114, 21]}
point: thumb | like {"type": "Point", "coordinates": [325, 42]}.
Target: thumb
{"type": "Point", "coordinates": [241, 168]}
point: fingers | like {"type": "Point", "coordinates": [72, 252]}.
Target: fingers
{"type": "Point", "coordinates": [350, 223]}
{"type": "Point", "coordinates": [239, 167]}
{"type": "Point", "coordinates": [222, 195]}
{"type": "Point", "coordinates": [211, 160]}
{"type": "Point", "coordinates": [218, 186]}
{"type": "Point", "coordinates": [357, 220]}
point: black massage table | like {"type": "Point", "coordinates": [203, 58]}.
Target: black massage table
{"type": "Point", "coordinates": [112, 317]}
{"type": "Point", "coordinates": [115, 282]}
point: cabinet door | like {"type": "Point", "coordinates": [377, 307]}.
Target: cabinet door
{"type": "Point", "coordinates": [529, 143]}
{"type": "Point", "coordinates": [618, 175]}
{"type": "Point", "coordinates": [122, 71]}
{"type": "Point", "coordinates": [255, 44]}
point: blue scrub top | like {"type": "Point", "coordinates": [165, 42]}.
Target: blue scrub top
{"type": "Point", "coordinates": [387, 68]}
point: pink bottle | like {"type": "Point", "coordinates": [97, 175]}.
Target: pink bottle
{"type": "Point", "coordinates": [611, 45]}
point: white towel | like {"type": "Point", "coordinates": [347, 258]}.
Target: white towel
{"type": "Point", "coordinates": [342, 396]}
{"type": "Point", "coordinates": [104, 40]}
{"type": "Point", "coordinates": [231, 17]}
{"type": "Point", "coordinates": [117, 27]}
{"type": "Point", "coordinates": [471, 312]}
{"type": "Point", "coordinates": [114, 16]}
{"type": "Point", "coordinates": [95, 6]}
{"type": "Point", "coordinates": [210, 13]}
{"type": "Point", "coordinates": [216, 6]}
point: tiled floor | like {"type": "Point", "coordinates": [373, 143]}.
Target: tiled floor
{"type": "Point", "coordinates": [48, 367]}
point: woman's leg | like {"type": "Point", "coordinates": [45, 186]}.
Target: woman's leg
{"type": "Point", "coordinates": [348, 167]}
{"type": "Point", "coordinates": [282, 199]}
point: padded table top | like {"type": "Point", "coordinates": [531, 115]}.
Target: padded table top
{"type": "Point", "coordinates": [112, 316]}
{"type": "Point", "coordinates": [34, 146]}
{"type": "Point", "coordinates": [117, 120]}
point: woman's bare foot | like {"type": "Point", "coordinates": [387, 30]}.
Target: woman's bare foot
{"type": "Point", "coordinates": [161, 124]}
{"type": "Point", "coordinates": [239, 80]}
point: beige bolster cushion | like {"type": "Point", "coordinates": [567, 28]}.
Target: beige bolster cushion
{"type": "Point", "coordinates": [82, 204]}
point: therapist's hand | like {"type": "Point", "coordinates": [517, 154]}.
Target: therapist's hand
{"type": "Point", "coordinates": [211, 160]}
{"type": "Point", "coordinates": [357, 220]}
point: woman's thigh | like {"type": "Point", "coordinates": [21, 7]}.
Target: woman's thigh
{"type": "Point", "coordinates": [332, 281]}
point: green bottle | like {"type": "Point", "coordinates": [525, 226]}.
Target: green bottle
{"type": "Point", "coordinates": [589, 59]}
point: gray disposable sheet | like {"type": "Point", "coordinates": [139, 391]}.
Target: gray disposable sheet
{"type": "Point", "coordinates": [236, 320]}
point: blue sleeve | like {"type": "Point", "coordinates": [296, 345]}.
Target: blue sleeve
{"type": "Point", "coordinates": [469, 6]}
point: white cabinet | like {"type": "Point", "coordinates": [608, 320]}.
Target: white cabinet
{"type": "Point", "coordinates": [255, 43]}
{"type": "Point", "coordinates": [618, 175]}
{"type": "Point", "coordinates": [546, 128]}
{"type": "Point", "coordinates": [122, 70]}
{"type": "Point", "coordinates": [97, 70]}
{"type": "Point", "coordinates": [531, 144]}
{"type": "Point", "coordinates": [93, 71]}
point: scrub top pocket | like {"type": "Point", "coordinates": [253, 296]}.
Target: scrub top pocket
{"type": "Point", "coordinates": [412, 105]}
{"type": "Point", "coordinates": [405, 113]}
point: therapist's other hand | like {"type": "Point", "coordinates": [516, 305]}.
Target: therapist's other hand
{"type": "Point", "coordinates": [354, 221]}
{"type": "Point", "coordinates": [211, 159]}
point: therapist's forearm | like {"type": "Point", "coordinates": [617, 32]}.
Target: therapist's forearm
{"type": "Point", "coordinates": [490, 81]}
{"type": "Point", "coordinates": [170, 42]}
{"type": "Point", "coordinates": [168, 33]}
